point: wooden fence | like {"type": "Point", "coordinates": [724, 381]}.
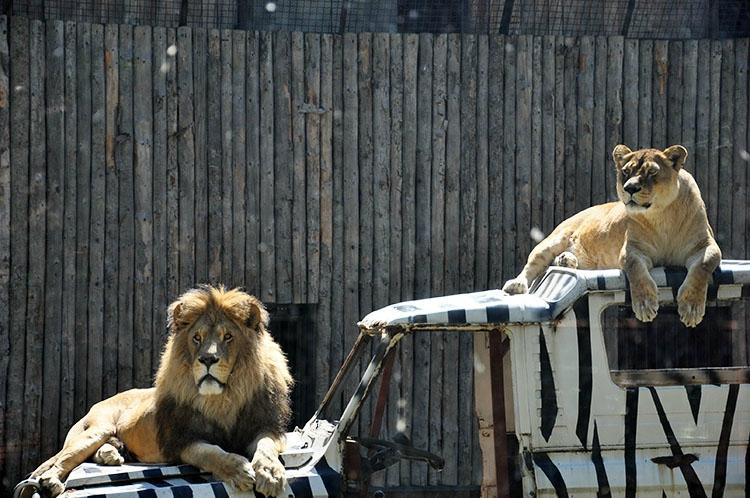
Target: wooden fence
{"type": "Point", "coordinates": [346, 172]}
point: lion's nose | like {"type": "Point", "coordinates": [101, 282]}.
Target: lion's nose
{"type": "Point", "coordinates": [208, 359]}
{"type": "Point", "coordinates": [631, 188]}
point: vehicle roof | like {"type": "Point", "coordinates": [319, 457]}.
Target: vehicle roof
{"type": "Point", "coordinates": [550, 296]}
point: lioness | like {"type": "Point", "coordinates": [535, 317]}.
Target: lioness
{"type": "Point", "coordinates": [221, 393]}
{"type": "Point", "coordinates": [660, 220]}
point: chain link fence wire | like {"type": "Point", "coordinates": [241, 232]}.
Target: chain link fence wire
{"type": "Point", "coordinates": [667, 19]}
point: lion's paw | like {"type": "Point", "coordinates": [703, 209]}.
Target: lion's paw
{"type": "Point", "coordinates": [108, 455]}
{"type": "Point", "coordinates": [691, 306]}
{"type": "Point", "coordinates": [269, 476]}
{"type": "Point", "coordinates": [52, 484]}
{"type": "Point", "coordinates": [516, 286]}
{"type": "Point", "coordinates": [566, 259]}
{"type": "Point", "coordinates": [646, 305]}
{"type": "Point", "coordinates": [238, 473]}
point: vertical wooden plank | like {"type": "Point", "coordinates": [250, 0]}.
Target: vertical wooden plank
{"type": "Point", "coordinates": [630, 95]}
{"type": "Point", "coordinates": [702, 119]}
{"type": "Point", "coordinates": [660, 72]}
{"type": "Point", "coordinates": [468, 177]}
{"type": "Point", "coordinates": [5, 218]}
{"type": "Point", "coordinates": [548, 134]}
{"type": "Point", "coordinates": [252, 176]}
{"type": "Point", "coordinates": [509, 160]}
{"type": "Point", "coordinates": [200, 129]}
{"type": "Point", "coordinates": [645, 87]}
{"type": "Point", "coordinates": [338, 289]}
{"type": "Point", "coordinates": [739, 150]}
{"type": "Point", "coordinates": [536, 178]}
{"type": "Point", "coordinates": [239, 168]}
{"type": "Point", "coordinates": [111, 228]}
{"type": "Point", "coordinates": [143, 203]}
{"type": "Point", "coordinates": [186, 158]}
{"type": "Point", "coordinates": [33, 372]}
{"type": "Point", "coordinates": [173, 222]}
{"type": "Point", "coordinates": [675, 92]}
{"type": "Point", "coordinates": [283, 173]}
{"type": "Point", "coordinates": [124, 161]}
{"type": "Point", "coordinates": [523, 147]}
{"type": "Point", "coordinates": [481, 269]}
{"type": "Point", "coordinates": [723, 199]}
{"type": "Point", "coordinates": [19, 212]}
{"type": "Point", "coordinates": [615, 97]}
{"type": "Point", "coordinates": [689, 95]}
{"type": "Point", "coordinates": [55, 176]}
{"type": "Point", "coordinates": [421, 407]}
{"type": "Point", "coordinates": [381, 119]}
{"type": "Point", "coordinates": [559, 206]}
{"type": "Point", "coordinates": [299, 191]}
{"type": "Point", "coordinates": [599, 157]}
{"type": "Point", "coordinates": [408, 170]}
{"type": "Point", "coordinates": [350, 195]}
{"type": "Point", "coordinates": [98, 209]}
{"type": "Point", "coordinates": [451, 281]}
{"type": "Point", "coordinates": [452, 221]}
{"type": "Point", "coordinates": [160, 68]}
{"type": "Point", "coordinates": [214, 136]}
{"type": "Point", "coordinates": [572, 50]}
{"type": "Point", "coordinates": [313, 161]}
{"type": "Point", "coordinates": [437, 248]}
{"type": "Point", "coordinates": [227, 170]}
{"type": "Point", "coordinates": [325, 360]}
{"type": "Point", "coordinates": [584, 135]}
{"type": "Point", "coordinates": [83, 210]}
{"type": "Point", "coordinates": [396, 148]}
{"type": "Point", "coordinates": [467, 233]}
{"type": "Point", "coordinates": [365, 161]}
{"type": "Point", "coordinates": [267, 246]}
{"type": "Point", "coordinates": [711, 197]}
{"type": "Point", "coordinates": [495, 97]}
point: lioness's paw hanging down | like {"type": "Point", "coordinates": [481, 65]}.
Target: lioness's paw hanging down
{"type": "Point", "coordinates": [566, 259]}
{"type": "Point", "coordinates": [51, 483]}
{"type": "Point", "coordinates": [645, 303]}
{"type": "Point", "coordinates": [269, 476]}
{"type": "Point", "coordinates": [516, 286]}
{"type": "Point", "coordinates": [108, 455]}
{"type": "Point", "coordinates": [691, 305]}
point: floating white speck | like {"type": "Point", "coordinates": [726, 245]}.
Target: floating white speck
{"type": "Point", "coordinates": [172, 50]}
{"type": "Point", "coordinates": [478, 366]}
{"type": "Point", "coordinates": [745, 155]}
{"type": "Point", "coordinates": [401, 425]}
{"type": "Point", "coordinates": [164, 67]}
{"type": "Point", "coordinates": [401, 403]}
{"type": "Point", "coordinates": [271, 7]}
{"type": "Point", "coordinates": [413, 14]}
{"type": "Point", "coordinates": [536, 234]}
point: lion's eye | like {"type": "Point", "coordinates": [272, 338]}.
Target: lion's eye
{"type": "Point", "coordinates": [228, 337]}
{"type": "Point", "coordinates": [197, 338]}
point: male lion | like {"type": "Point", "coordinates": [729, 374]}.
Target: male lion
{"type": "Point", "coordinates": [221, 392]}
{"type": "Point", "coordinates": [660, 220]}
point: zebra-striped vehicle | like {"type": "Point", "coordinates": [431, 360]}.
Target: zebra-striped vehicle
{"type": "Point", "coordinates": [604, 405]}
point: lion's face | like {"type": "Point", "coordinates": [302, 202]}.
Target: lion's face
{"type": "Point", "coordinates": [214, 331]}
{"type": "Point", "coordinates": [647, 178]}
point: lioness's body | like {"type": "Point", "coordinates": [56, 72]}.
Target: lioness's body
{"type": "Point", "coordinates": [221, 394]}
{"type": "Point", "coordinates": [659, 220]}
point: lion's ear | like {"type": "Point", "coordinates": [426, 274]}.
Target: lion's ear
{"type": "Point", "coordinates": [174, 316]}
{"type": "Point", "coordinates": [619, 153]}
{"type": "Point", "coordinates": [255, 314]}
{"type": "Point", "coordinates": [677, 154]}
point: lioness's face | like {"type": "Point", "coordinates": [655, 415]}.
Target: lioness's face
{"type": "Point", "coordinates": [213, 342]}
{"type": "Point", "coordinates": [647, 178]}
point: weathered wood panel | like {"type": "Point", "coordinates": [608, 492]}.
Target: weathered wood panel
{"type": "Point", "coordinates": [345, 172]}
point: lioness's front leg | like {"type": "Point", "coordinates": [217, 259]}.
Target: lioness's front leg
{"type": "Point", "coordinates": [643, 291]}
{"type": "Point", "coordinates": [269, 472]}
{"type": "Point", "coordinates": [229, 467]}
{"type": "Point", "coordinates": [539, 259]}
{"type": "Point", "coordinates": [691, 298]}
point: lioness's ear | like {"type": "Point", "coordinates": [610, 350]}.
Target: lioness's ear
{"type": "Point", "coordinates": [677, 154]}
{"type": "Point", "coordinates": [255, 314]}
{"type": "Point", "coordinates": [619, 153]}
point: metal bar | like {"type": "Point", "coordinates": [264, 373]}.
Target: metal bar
{"type": "Point", "coordinates": [498, 349]}
{"type": "Point", "coordinates": [342, 371]}
{"type": "Point", "coordinates": [385, 384]}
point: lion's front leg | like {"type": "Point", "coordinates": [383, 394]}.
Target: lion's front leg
{"type": "Point", "coordinates": [229, 467]}
{"type": "Point", "coordinates": [269, 472]}
{"type": "Point", "coordinates": [643, 291]}
{"type": "Point", "coordinates": [691, 298]}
